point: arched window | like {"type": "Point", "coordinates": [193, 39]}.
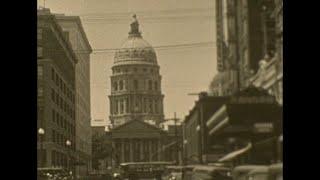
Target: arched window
{"type": "Point", "coordinates": [121, 85]}
{"type": "Point", "coordinates": [150, 85]}
{"type": "Point", "coordinates": [136, 84]}
{"type": "Point", "coordinates": [115, 85]}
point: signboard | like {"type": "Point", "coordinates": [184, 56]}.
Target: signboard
{"type": "Point", "coordinates": [263, 127]}
{"type": "Point", "coordinates": [253, 100]}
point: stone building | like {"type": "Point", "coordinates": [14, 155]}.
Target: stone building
{"type": "Point", "coordinates": [82, 49]}
{"type": "Point", "coordinates": [56, 94]}
{"type": "Point", "coordinates": [226, 81]}
{"type": "Point", "coordinates": [136, 82]}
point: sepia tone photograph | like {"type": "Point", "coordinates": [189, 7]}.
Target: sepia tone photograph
{"type": "Point", "coordinates": [159, 89]}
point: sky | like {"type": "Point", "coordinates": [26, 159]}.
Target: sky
{"type": "Point", "coordinates": [162, 22]}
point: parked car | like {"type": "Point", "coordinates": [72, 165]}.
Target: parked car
{"type": "Point", "coordinates": [242, 172]}
{"type": "Point", "coordinates": [206, 172]}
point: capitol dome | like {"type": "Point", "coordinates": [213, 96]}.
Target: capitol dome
{"type": "Point", "coordinates": [135, 49]}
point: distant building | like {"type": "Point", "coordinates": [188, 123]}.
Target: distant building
{"type": "Point", "coordinates": [56, 93]}
{"type": "Point", "coordinates": [135, 82]}
{"type": "Point", "coordinates": [80, 44]}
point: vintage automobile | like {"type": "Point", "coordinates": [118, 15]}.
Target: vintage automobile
{"type": "Point", "coordinates": [242, 172]}
{"type": "Point", "coordinates": [53, 173]}
{"type": "Point", "coordinates": [276, 172]}
{"type": "Point", "coordinates": [206, 172]}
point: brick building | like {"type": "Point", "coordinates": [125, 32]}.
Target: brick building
{"type": "Point", "coordinates": [56, 94]}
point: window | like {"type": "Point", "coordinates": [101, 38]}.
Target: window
{"type": "Point", "coordinates": [40, 91]}
{"type": "Point", "coordinates": [121, 106]}
{"type": "Point", "coordinates": [156, 106]}
{"type": "Point", "coordinates": [115, 86]}
{"type": "Point", "coordinates": [53, 115]}
{"type": "Point", "coordinates": [57, 79]}
{"type": "Point", "coordinates": [121, 85]}
{"type": "Point", "coordinates": [135, 84]}
{"type": "Point", "coordinates": [52, 74]}
{"type": "Point", "coordinates": [53, 136]}
{"type": "Point", "coordinates": [135, 69]}
{"type": "Point", "coordinates": [116, 107]}
{"type": "Point", "coordinates": [156, 85]}
{"type": "Point", "coordinates": [39, 34]}
{"type": "Point", "coordinates": [144, 70]}
{"type": "Point", "coordinates": [127, 105]}
{"type": "Point", "coordinates": [40, 71]}
{"type": "Point", "coordinates": [150, 106]}
{"type": "Point", "coordinates": [150, 85]}
{"type": "Point", "coordinates": [39, 51]}
{"type": "Point", "coordinates": [145, 105]}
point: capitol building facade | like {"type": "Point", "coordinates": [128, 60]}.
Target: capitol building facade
{"type": "Point", "coordinates": [136, 82]}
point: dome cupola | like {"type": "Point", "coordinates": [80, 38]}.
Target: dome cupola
{"type": "Point", "coordinates": [135, 50]}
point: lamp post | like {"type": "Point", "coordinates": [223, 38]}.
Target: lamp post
{"type": "Point", "coordinates": [68, 144]}
{"type": "Point", "coordinates": [41, 134]}
{"type": "Point", "coordinates": [185, 143]}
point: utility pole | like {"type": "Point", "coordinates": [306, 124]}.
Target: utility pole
{"type": "Point", "coordinates": [175, 119]}
{"type": "Point", "coordinates": [176, 137]}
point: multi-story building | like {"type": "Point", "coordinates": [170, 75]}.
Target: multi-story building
{"type": "Point", "coordinates": [269, 74]}
{"type": "Point", "coordinates": [82, 49]}
{"type": "Point", "coordinates": [56, 94]}
{"type": "Point", "coordinates": [226, 80]}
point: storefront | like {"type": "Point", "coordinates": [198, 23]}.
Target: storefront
{"type": "Point", "coordinates": [247, 128]}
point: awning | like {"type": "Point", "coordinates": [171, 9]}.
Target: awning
{"type": "Point", "coordinates": [235, 154]}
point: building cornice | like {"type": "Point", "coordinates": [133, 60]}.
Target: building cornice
{"type": "Point", "coordinates": [77, 20]}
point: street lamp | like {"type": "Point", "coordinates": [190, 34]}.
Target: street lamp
{"type": "Point", "coordinates": [41, 134]}
{"type": "Point", "coordinates": [68, 143]}
{"type": "Point", "coordinates": [185, 142]}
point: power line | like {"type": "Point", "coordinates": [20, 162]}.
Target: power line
{"type": "Point", "coordinates": [164, 47]}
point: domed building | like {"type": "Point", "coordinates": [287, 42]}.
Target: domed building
{"type": "Point", "coordinates": [136, 82]}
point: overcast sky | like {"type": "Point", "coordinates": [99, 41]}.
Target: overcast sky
{"type": "Point", "coordinates": [162, 22]}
